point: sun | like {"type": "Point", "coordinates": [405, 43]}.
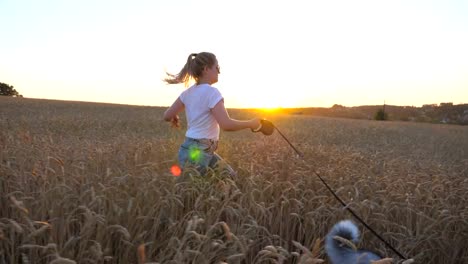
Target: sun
{"type": "Point", "coordinates": [270, 109]}
{"type": "Point", "coordinates": [268, 101]}
{"type": "Point", "coordinates": [267, 104]}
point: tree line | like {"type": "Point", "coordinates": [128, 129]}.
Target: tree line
{"type": "Point", "coordinates": [8, 90]}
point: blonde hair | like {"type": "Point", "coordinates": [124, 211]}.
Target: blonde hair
{"type": "Point", "coordinates": [193, 68]}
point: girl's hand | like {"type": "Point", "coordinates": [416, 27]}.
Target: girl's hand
{"type": "Point", "coordinates": [256, 124]}
{"type": "Point", "coordinates": [170, 115]}
{"type": "Point", "coordinates": [175, 122]}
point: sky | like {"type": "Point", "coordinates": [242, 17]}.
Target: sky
{"type": "Point", "coordinates": [272, 53]}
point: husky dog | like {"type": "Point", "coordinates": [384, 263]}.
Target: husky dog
{"type": "Point", "coordinates": [340, 252]}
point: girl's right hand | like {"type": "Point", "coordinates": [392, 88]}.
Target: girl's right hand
{"type": "Point", "coordinates": [175, 122]}
{"type": "Point", "coordinates": [256, 124]}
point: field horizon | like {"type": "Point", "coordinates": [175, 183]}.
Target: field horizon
{"type": "Point", "coordinates": [238, 108]}
{"type": "Point", "coordinates": [443, 113]}
{"type": "Point", "coordinates": [84, 182]}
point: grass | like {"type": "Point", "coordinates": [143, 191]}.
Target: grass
{"type": "Point", "coordinates": [91, 183]}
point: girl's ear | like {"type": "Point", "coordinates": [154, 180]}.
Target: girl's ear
{"type": "Point", "coordinates": [205, 69]}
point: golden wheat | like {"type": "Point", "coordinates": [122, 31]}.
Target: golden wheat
{"type": "Point", "coordinates": [92, 182]}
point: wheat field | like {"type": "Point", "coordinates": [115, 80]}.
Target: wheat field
{"type": "Point", "coordinates": [91, 183]}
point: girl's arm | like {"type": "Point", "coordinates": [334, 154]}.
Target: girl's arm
{"type": "Point", "coordinates": [171, 114]}
{"type": "Point", "coordinates": [228, 124]}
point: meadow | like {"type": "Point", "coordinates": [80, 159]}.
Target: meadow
{"type": "Point", "coordinates": [91, 183]}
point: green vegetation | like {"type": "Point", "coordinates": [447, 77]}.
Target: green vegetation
{"type": "Point", "coordinates": [8, 90]}
{"type": "Point", "coordinates": [381, 115]}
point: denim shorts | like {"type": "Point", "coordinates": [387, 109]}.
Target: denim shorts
{"type": "Point", "coordinates": [201, 154]}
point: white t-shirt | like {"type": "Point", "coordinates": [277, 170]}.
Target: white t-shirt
{"type": "Point", "coordinates": [198, 101]}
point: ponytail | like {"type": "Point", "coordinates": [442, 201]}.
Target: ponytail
{"type": "Point", "coordinates": [192, 69]}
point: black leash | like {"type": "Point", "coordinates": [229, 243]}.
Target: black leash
{"type": "Point", "coordinates": [342, 202]}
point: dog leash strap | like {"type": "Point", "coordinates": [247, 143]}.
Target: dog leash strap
{"type": "Point", "coordinates": [341, 201]}
{"type": "Point", "coordinates": [290, 144]}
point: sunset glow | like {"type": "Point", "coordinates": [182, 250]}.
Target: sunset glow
{"type": "Point", "coordinates": [319, 53]}
{"type": "Point", "coordinates": [269, 109]}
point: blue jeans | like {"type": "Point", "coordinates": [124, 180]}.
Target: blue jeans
{"type": "Point", "coordinates": [201, 154]}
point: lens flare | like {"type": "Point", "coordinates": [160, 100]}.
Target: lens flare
{"type": "Point", "coordinates": [175, 170]}
{"type": "Point", "coordinates": [195, 154]}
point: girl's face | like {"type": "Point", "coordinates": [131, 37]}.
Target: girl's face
{"type": "Point", "coordinates": [211, 73]}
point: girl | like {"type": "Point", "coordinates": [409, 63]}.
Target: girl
{"type": "Point", "coordinates": [205, 112]}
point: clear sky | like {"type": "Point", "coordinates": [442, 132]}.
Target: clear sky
{"type": "Point", "coordinates": [272, 53]}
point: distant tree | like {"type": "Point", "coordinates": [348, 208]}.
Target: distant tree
{"type": "Point", "coordinates": [381, 115]}
{"type": "Point", "coordinates": [337, 106]}
{"type": "Point", "coordinates": [8, 90]}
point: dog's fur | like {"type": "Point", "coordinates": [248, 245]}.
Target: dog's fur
{"type": "Point", "coordinates": [340, 253]}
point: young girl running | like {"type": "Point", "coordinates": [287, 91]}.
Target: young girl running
{"type": "Point", "coordinates": [205, 113]}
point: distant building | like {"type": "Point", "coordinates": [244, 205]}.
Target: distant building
{"type": "Point", "coordinates": [446, 104]}
{"type": "Point", "coordinates": [429, 106]}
